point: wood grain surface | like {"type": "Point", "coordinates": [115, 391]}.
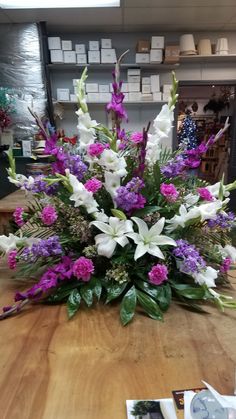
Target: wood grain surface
{"type": "Point", "coordinates": [86, 368]}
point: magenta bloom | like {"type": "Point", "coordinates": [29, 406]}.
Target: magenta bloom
{"type": "Point", "coordinates": [93, 185]}
{"type": "Point", "coordinates": [11, 259]}
{"type": "Point", "coordinates": [18, 216]}
{"type": "Point", "coordinates": [136, 137]}
{"type": "Point", "coordinates": [225, 265]}
{"type": "Point", "coordinates": [94, 150]}
{"type": "Point", "coordinates": [205, 194]}
{"type": "Point", "coordinates": [158, 274]}
{"type": "Point", "coordinates": [49, 215]}
{"type": "Point", "coordinates": [83, 268]}
{"type": "Point", "coordinates": [169, 191]}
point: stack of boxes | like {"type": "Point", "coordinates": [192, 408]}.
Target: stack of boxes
{"type": "Point", "coordinates": [150, 52]}
{"type": "Point", "coordinates": [61, 52]}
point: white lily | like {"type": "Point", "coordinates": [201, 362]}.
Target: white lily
{"type": "Point", "coordinates": [206, 277]}
{"type": "Point", "coordinates": [182, 218]}
{"type": "Point", "coordinates": [112, 162]}
{"type": "Point", "coordinates": [148, 241]}
{"type": "Point", "coordinates": [8, 243]}
{"type": "Point", "coordinates": [81, 196]}
{"type": "Point", "coordinates": [113, 233]}
{"type": "Point", "coordinates": [215, 190]}
{"type": "Point", "coordinates": [112, 183]}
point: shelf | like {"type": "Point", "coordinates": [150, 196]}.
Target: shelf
{"type": "Point", "coordinates": [103, 67]}
{"type": "Point", "coordinates": [204, 59]}
{"type": "Point", "coordinates": [144, 102]}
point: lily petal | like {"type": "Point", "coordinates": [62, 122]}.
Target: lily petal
{"type": "Point", "coordinates": [106, 247]}
{"type": "Point", "coordinates": [141, 249]}
{"type": "Point", "coordinates": [155, 251]}
{"type": "Point", "coordinates": [157, 228]}
{"type": "Point", "coordinates": [142, 226]}
{"type": "Point", "coordinates": [122, 241]}
{"type": "Point", "coordinates": [163, 240]}
{"type": "Point", "coordinates": [102, 226]}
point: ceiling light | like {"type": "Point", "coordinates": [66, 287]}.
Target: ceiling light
{"type": "Point", "coordinates": [48, 4]}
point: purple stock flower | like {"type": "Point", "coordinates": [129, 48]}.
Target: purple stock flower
{"type": "Point", "coordinates": [222, 220]}
{"type": "Point", "coordinates": [128, 197]}
{"type": "Point", "coordinates": [43, 248]}
{"type": "Point", "coordinates": [174, 168]}
{"type": "Point", "coordinates": [40, 185]}
{"type": "Point", "coordinates": [191, 261]}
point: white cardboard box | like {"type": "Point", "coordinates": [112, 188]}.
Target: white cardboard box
{"type": "Point", "coordinates": [26, 148]}
{"type": "Point", "coordinates": [63, 94]}
{"type": "Point", "coordinates": [93, 97]}
{"type": "Point", "coordinates": [134, 72]}
{"type": "Point", "coordinates": [155, 83]}
{"type": "Point", "coordinates": [146, 80]}
{"type": "Point", "coordinates": [134, 79]}
{"type": "Point", "coordinates": [106, 43]}
{"type": "Point", "coordinates": [94, 45]}
{"type": "Point", "coordinates": [104, 97]}
{"type": "Point", "coordinates": [134, 96]}
{"type": "Point", "coordinates": [69, 57]}
{"type": "Point", "coordinates": [91, 87]}
{"type": "Point", "coordinates": [142, 58]}
{"type": "Point", "coordinates": [81, 58]}
{"type": "Point", "coordinates": [110, 87]}
{"type": "Point", "coordinates": [66, 45]}
{"type": "Point", "coordinates": [134, 87]}
{"type": "Point", "coordinates": [146, 88]}
{"type": "Point", "coordinates": [103, 88]}
{"type": "Point", "coordinates": [157, 96]}
{"type": "Point", "coordinates": [157, 42]}
{"type": "Point", "coordinates": [166, 88]}
{"type": "Point", "coordinates": [56, 56]}
{"type": "Point", "coordinates": [108, 56]}
{"type": "Point", "coordinates": [165, 97]}
{"type": "Point", "coordinates": [148, 97]}
{"type": "Point", "coordinates": [80, 48]}
{"type": "Point", "coordinates": [73, 98]}
{"type": "Point", "coordinates": [156, 56]}
{"type": "Point", "coordinates": [125, 87]}
{"type": "Point", "coordinates": [94, 57]}
{"type": "Point", "coordinates": [54, 42]}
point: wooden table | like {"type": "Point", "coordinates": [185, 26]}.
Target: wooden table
{"type": "Point", "coordinates": [8, 205]}
{"type": "Point", "coordinates": [86, 368]}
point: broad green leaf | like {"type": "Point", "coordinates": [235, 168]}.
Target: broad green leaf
{"type": "Point", "coordinates": [73, 303]}
{"type": "Point", "coordinates": [147, 210]}
{"type": "Point", "coordinates": [87, 294]}
{"type": "Point", "coordinates": [114, 291]}
{"type": "Point", "coordinates": [160, 293]}
{"type": "Point", "coordinates": [97, 290]}
{"type": "Point", "coordinates": [193, 293]}
{"type": "Point", "coordinates": [61, 293]}
{"type": "Point", "coordinates": [119, 214]}
{"type": "Point", "coordinates": [128, 306]}
{"type": "Point", "coordinates": [149, 305]}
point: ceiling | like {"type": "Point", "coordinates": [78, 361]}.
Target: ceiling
{"type": "Point", "coordinates": [134, 15]}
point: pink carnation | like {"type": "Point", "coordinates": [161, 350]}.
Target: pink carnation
{"type": "Point", "coordinates": [169, 191]}
{"type": "Point", "coordinates": [49, 215]}
{"type": "Point", "coordinates": [94, 150]}
{"type": "Point", "coordinates": [93, 185]}
{"type": "Point", "coordinates": [11, 259]}
{"type": "Point", "coordinates": [205, 194]}
{"type": "Point", "coordinates": [158, 274]}
{"type": "Point", "coordinates": [83, 268]}
{"type": "Point", "coordinates": [18, 216]}
{"type": "Point", "coordinates": [136, 137]}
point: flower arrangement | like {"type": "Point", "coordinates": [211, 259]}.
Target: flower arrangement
{"type": "Point", "coordinates": [120, 218]}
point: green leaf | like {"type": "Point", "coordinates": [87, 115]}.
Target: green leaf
{"type": "Point", "coordinates": [147, 210]}
{"type": "Point", "coordinates": [193, 293]}
{"type": "Point", "coordinates": [149, 305]}
{"type": "Point", "coordinates": [160, 293]}
{"type": "Point", "coordinates": [128, 306]}
{"type": "Point", "coordinates": [114, 291]}
{"type": "Point", "coordinates": [61, 293]}
{"type": "Point", "coordinates": [87, 294]}
{"type": "Point", "coordinates": [119, 214]}
{"type": "Point", "coordinates": [73, 303]}
{"type": "Point", "coordinates": [97, 290]}
{"type": "Point", "coordinates": [157, 175]}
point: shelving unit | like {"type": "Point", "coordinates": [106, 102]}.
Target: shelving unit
{"type": "Point", "coordinates": [148, 102]}
{"type": "Point", "coordinates": [205, 59]}
{"type": "Point", "coordinates": [125, 66]}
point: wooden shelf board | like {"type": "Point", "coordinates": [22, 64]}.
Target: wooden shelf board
{"type": "Point", "coordinates": [151, 66]}
{"type": "Point", "coordinates": [193, 59]}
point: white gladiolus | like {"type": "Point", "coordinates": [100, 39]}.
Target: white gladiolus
{"type": "Point", "coordinates": [182, 218]}
{"type": "Point", "coordinates": [112, 162]}
{"type": "Point", "coordinates": [81, 196]}
{"type": "Point", "coordinates": [228, 251]}
{"type": "Point", "coordinates": [22, 181]}
{"type": "Point", "coordinates": [215, 190]}
{"type": "Point", "coordinates": [206, 277]}
{"type": "Point", "coordinates": [8, 243]}
{"type": "Point", "coordinates": [113, 233]}
{"type": "Point", "coordinates": [148, 241]}
{"type": "Point", "coordinates": [112, 183]}
{"type": "Point", "coordinates": [86, 125]}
